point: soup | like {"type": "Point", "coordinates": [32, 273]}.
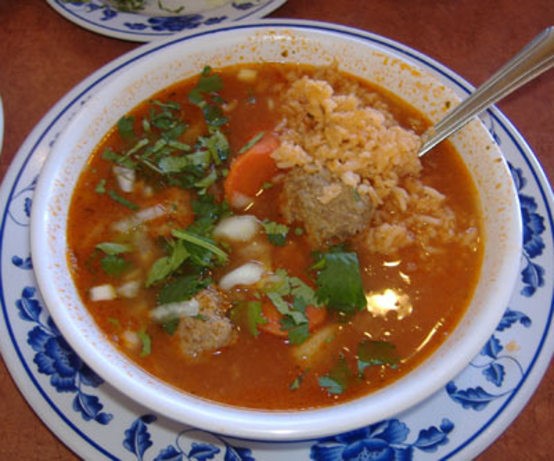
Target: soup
{"type": "Point", "coordinates": [265, 236]}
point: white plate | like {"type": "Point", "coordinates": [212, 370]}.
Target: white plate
{"type": "Point", "coordinates": [154, 22]}
{"type": "Point", "coordinates": [97, 422]}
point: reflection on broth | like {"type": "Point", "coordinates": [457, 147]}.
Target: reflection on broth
{"type": "Point", "coordinates": [389, 300]}
{"type": "Point", "coordinates": [265, 236]}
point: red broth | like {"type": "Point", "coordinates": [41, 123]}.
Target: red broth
{"type": "Point", "coordinates": [259, 369]}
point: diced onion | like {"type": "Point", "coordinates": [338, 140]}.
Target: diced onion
{"type": "Point", "coordinates": [247, 274]}
{"type": "Point", "coordinates": [129, 289]}
{"type": "Point", "coordinates": [237, 228]}
{"type": "Point", "coordinates": [102, 293]}
{"type": "Point", "coordinates": [130, 340]}
{"type": "Point", "coordinates": [169, 311]}
{"type": "Point", "coordinates": [240, 201]}
{"type": "Point", "coordinates": [125, 178]}
{"type": "Point", "coordinates": [142, 216]}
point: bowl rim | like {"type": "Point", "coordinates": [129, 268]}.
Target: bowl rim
{"type": "Point", "coordinates": [258, 424]}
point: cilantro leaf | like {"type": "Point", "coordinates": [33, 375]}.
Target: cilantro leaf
{"type": "Point", "coordinates": [217, 145]}
{"type": "Point", "coordinates": [255, 317]}
{"type": "Point", "coordinates": [100, 187]}
{"type": "Point", "coordinates": [276, 232]}
{"type": "Point", "coordinates": [125, 127]}
{"type": "Point", "coordinates": [207, 83]}
{"type": "Point", "coordinates": [249, 315]}
{"type": "Point", "coordinates": [338, 378]}
{"type": "Point", "coordinates": [170, 326]}
{"type": "Point", "coordinates": [110, 155]}
{"type": "Point", "coordinates": [111, 248]}
{"type": "Point", "coordinates": [206, 208]}
{"type": "Point", "coordinates": [146, 342]}
{"type": "Point", "coordinates": [291, 296]}
{"type": "Point", "coordinates": [182, 288]}
{"type": "Point", "coordinates": [254, 140]}
{"type": "Point", "coordinates": [332, 386]}
{"type": "Point", "coordinates": [376, 353]}
{"type": "Point", "coordinates": [114, 265]}
{"type": "Point", "coordinates": [204, 95]}
{"type": "Point", "coordinates": [298, 332]}
{"type": "Point", "coordinates": [190, 163]}
{"type": "Point", "coordinates": [200, 247]}
{"type": "Point", "coordinates": [122, 200]}
{"type": "Point", "coordinates": [339, 281]}
{"type": "Point", "coordinates": [297, 382]}
{"type": "Point", "coordinates": [166, 265]}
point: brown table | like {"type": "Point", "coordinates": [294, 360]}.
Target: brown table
{"type": "Point", "coordinates": [43, 56]}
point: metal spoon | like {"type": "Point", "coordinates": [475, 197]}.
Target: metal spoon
{"type": "Point", "coordinates": [534, 59]}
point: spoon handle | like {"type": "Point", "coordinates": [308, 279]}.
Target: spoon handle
{"type": "Point", "coordinates": [535, 58]}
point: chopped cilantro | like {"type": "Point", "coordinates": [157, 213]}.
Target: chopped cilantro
{"type": "Point", "coordinates": [100, 187]}
{"type": "Point", "coordinates": [146, 342]}
{"type": "Point", "coordinates": [206, 208]}
{"type": "Point", "coordinates": [287, 309]}
{"type": "Point", "coordinates": [125, 127]}
{"type": "Point", "coordinates": [276, 232]}
{"type": "Point", "coordinates": [111, 248]}
{"type": "Point", "coordinates": [204, 95]}
{"type": "Point", "coordinates": [297, 382]}
{"type": "Point", "coordinates": [291, 296]}
{"type": "Point", "coordinates": [376, 353]}
{"type": "Point", "coordinates": [183, 163]}
{"type": "Point", "coordinates": [251, 142]}
{"type": "Point", "coordinates": [166, 265]}
{"type": "Point", "coordinates": [207, 83]}
{"type": "Point", "coordinates": [118, 159]}
{"type": "Point", "coordinates": [170, 326]}
{"type": "Point", "coordinates": [217, 145]}
{"type": "Point", "coordinates": [338, 378]}
{"type": "Point", "coordinates": [182, 288]}
{"type": "Point", "coordinates": [122, 200]}
{"type": "Point", "coordinates": [203, 184]}
{"type": "Point", "coordinates": [254, 316]}
{"type": "Point", "coordinates": [297, 332]}
{"type": "Point", "coordinates": [339, 281]}
{"type": "Point", "coordinates": [249, 315]}
{"type": "Point", "coordinates": [193, 241]}
{"type": "Point", "coordinates": [114, 265]}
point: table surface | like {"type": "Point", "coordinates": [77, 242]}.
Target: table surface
{"type": "Point", "coordinates": [44, 56]}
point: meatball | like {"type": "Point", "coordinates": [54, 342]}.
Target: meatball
{"type": "Point", "coordinates": [328, 209]}
{"type": "Point", "coordinates": [208, 331]}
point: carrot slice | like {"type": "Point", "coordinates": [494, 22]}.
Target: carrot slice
{"type": "Point", "coordinates": [273, 317]}
{"type": "Point", "coordinates": [316, 316]}
{"type": "Point", "coordinates": [252, 169]}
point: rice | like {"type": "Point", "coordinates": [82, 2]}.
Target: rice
{"type": "Point", "coordinates": [351, 134]}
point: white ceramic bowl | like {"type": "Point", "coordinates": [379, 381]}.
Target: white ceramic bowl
{"type": "Point", "coordinates": [156, 66]}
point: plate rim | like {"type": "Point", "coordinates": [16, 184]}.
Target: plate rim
{"type": "Point", "coordinates": [142, 36]}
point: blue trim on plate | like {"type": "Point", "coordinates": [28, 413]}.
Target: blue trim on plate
{"type": "Point", "coordinates": [546, 200]}
{"type": "Point", "coordinates": [142, 33]}
{"type": "Point", "coordinates": [427, 62]}
{"type": "Point", "coordinates": [3, 302]}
